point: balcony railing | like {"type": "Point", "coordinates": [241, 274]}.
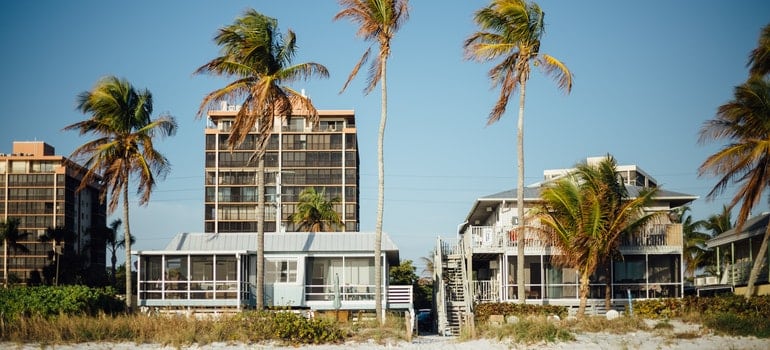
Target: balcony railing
{"type": "Point", "coordinates": [655, 235]}
{"type": "Point", "coordinates": [396, 294]}
{"type": "Point", "coordinates": [484, 291]}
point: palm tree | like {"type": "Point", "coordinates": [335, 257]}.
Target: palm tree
{"type": "Point", "coordinates": [10, 235]}
{"type": "Point", "coordinates": [716, 224]}
{"type": "Point", "coordinates": [584, 215]}
{"type": "Point", "coordinates": [428, 263]}
{"type": "Point", "coordinates": [59, 237]}
{"type": "Point", "coordinates": [114, 242]}
{"type": "Point", "coordinates": [378, 21]}
{"type": "Point", "coordinates": [315, 213]}
{"type": "Point", "coordinates": [511, 30]}
{"type": "Point", "coordinates": [259, 58]}
{"type": "Point", "coordinates": [759, 59]}
{"type": "Point", "coordinates": [123, 150]}
{"type": "Point", "coordinates": [719, 223]}
{"type": "Point", "coordinates": [744, 123]}
{"type": "Point", "coordinates": [696, 254]}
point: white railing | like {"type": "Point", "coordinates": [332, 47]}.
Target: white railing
{"type": "Point", "coordinates": [484, 291]}
{"type": "Point", "coordinates": [400, 295]}
{"type": "Point", "coordinates": [449, 246]}
{"type": "Point", "coordinates": [506, 236]}
{"type": "Point", "coordinates": [325, 292]}
{"type": "Point", "coordinates": [502, 236]}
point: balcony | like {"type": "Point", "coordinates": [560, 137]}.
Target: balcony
{"type": "Point", "coordinates": [654, 236]}
{"type": "Point", "coordinates": [500, 238]}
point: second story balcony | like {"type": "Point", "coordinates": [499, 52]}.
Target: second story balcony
{"type": "Point", "coordinates": [501, 238]}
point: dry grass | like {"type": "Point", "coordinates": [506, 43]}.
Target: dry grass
{"type": "Point", "coordinates": [173, 330]}
{"type": "Point", "coordinates": [594, 324]}
{"type": "Point", "coordinates": [166, 330]}
{"type": "Point", "coordinates": [530, 330]}
{"type": "Point", "coordinates": [370, 329]}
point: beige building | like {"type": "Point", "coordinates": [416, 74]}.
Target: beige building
{"type": "Point", "coordinates": [38, 188]}
{"type": "Point", "coordinates": [299, 155]}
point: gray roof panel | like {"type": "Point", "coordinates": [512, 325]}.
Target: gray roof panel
{"type": "Point", "coordinates": [288, 242]}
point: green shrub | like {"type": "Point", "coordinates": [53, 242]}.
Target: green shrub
{"type": "Point", "coordinates": [730, 314]}
{"type": "Point", "coordinates": [483, 311]}
{"type": "Point", "coordinates": [49, 301]}
{"type": "Point", "coordinates": [659, 308]}
{"type": "Point", "coordinates": [295, 328]}
{"type": "Point", "coordinates": [738, 324]}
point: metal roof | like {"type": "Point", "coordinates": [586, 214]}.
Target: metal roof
{"type": "Point", "coordinates": [752, 227]}
{"type": "Point", "coordinates": [286, 242]}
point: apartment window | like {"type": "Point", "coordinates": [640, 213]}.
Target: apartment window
{"type": "Point", "coordinates": [351, 141]}
{"type": "Point", "coordinates": [211, 142]}
{"type": "Point", "coordinates": [18, 166]}
{"type": "Point", "coordinates": [234, 212]}
{"type": "Point", "coordinates": [297, 124]}
{"type": "Point", "coordinates": [280, 271]}
{"type": "Point", "coordinates": [43, 167]}
{"type": "Point", "coordinates": [350, 211]}
{"type": "Point", "coordinates": [351, 159]}
{"type": "Point", "coordinates": [330, 125]}
{"type": "Point", "coordinates": [351, 193]}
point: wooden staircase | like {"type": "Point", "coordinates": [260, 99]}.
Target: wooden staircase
{"type": "Point", "coordinates": [452, 288]}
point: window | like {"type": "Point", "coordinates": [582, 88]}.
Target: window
{"type": "Point", "coordinates": [280, 271]}
{"type": "Point", "coordinates": [297, 124]}
{"type": "Point", "coordinates": [226, 268]}
{"type": "Point", "coordinates": [18, 166]}
{"type": "Point", "coordinates": [201, 267]}
{"type": "Point", "coordinates": [630, 270]}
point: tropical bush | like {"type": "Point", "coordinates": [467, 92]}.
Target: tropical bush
{"type": "Point", "coordinates": [484, 310]}
{"type": "Point", "coordinates": [46, 301]}
{"type": "Point", "coordinates": [729, 314]}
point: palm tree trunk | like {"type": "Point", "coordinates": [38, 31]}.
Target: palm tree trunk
{"type": "Point", "coordinates": [608, 287]}
{"type": "Point", "coordinates": [380, 197]}
{"type": "Point", "coordinates": [583, 292]}
{"type": "Point", "coordinates": [5, 262]}
{"type": "Point", "coordinates": [127, 237]}
{"type": "Point", "coordinates": [760, 259]}
{"type": "Point", "coordinates": [260, 288]}
{"type": "Point", "coordinates": [114, 261]}
{"type": "Point", "coordinates": [520, 196]}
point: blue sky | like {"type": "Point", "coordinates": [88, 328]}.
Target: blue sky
{"type": "Point", "coordinates": [647, 75]}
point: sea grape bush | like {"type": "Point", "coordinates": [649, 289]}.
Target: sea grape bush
{"type": "Point", "coordinates": [484, 310]}
{"type": "Point", "coordinates": [55, 300]}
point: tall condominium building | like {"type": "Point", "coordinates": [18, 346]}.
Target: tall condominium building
{"type": "Point", "coordinates": [299, 155]}
{"type": "Point", "coordinates": [39, 189]}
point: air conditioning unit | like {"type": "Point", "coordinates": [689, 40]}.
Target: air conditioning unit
{"type": "Point", "coordinates": [712, 280]}
{"type": "Point", "coordinates": [700, 281]}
